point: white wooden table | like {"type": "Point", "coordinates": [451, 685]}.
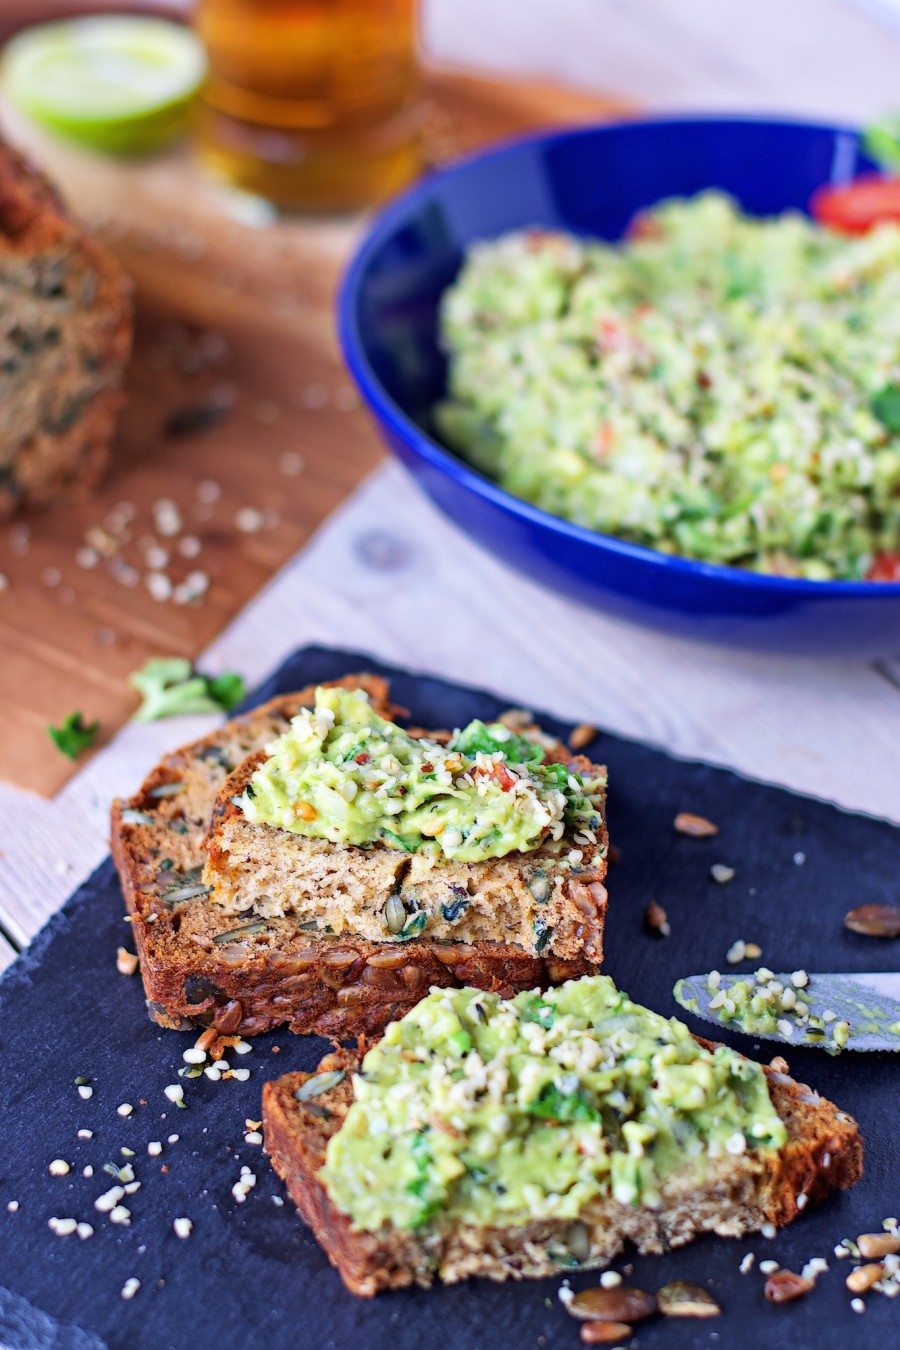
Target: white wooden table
{"type": "Point", "coordinates": [388, 575]}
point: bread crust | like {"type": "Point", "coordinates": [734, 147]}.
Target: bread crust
{"type": "Point", "coordinates": [252, 982]}
{"type": "Point", "coordinates": [62, 398]}
{"type": "Point", "coordinates": [823, 1153]}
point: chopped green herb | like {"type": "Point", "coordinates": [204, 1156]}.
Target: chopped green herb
{"type": "Point", "coordinates": [886, 406]}
{"type": "Point", "coordinates": [421, 1186]}
{"type": "Point", "coordinates": [553, 1104]}
{"type": "Point", "coordinates": [406, 842]}
{"type": "Point", "coordinates": [75, 735]}
{"type": "Point", "coordinates": [171, 687]}
{"type": "Point", "coordinates": [538, 1011]}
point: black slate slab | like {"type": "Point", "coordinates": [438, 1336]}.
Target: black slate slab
{"type": "Point", "coordinates": [250, 1274]}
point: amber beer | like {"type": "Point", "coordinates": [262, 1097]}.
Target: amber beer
{"type": "Point", "coordinates": [311, 103]}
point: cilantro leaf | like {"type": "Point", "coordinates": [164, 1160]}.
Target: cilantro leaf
{"type": "Point", "coordinates": [227, 689]}
{"type": "Point", "coordinates": [74, 736]}
{"type": "Point", "coordinates": [477, 738]}
{"type": "Point", "coordinates": [536, 1010]}
{"type": "Point", "coordinates": [552, 1104]}
{"type": "Point", "coordinates": [886, 406]}
{"type": "Point", "coordinates": [171, 687]}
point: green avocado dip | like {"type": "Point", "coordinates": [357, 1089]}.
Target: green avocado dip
{"type": "Point", "coordinates": [716, 386]}
{"type": "Point", "coordinates": [486, 1111]}
{"type": "Point", "coordinates": [343, 773]}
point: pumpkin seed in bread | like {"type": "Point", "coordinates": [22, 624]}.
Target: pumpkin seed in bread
{"type": "Point", "coordinates": [536, 1135]}
{"type": "Point", "coordinates": [348, 821]}
{"type": "Point", "coordinates": [252, 973]}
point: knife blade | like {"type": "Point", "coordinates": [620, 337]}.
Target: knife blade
{"type": "Point", "coordinates": [831, 1012]}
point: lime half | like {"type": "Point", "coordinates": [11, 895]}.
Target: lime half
{"type": "Point", "coordinates": [117, 83]}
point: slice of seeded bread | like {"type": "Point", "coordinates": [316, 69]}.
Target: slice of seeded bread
{"type": "Point", "coordinates": [200, 966]}
{"type": "Point", "coordinates": [739, 1195]}
{"type": "Point", "coordinates": [65, 338]}
{"type": "Point", "coordinates": [548, 902]}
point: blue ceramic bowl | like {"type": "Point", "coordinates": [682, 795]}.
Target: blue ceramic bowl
{"type": "Point", "coordinates": [591, 181]}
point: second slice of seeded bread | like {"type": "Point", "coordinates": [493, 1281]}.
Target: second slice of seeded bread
{"type": "Point", "coordinates": [738, 1195]}
{"type": "Point", "coordinates": [201, 966]}
{"type": "Point", "coordinates": [545, 902]}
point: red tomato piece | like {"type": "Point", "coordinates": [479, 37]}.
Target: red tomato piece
{"type": "Point", "coordinates": [500, 775]}
{"type": "Point", "coordinates": [885, 567]}
{"type": "Point", "coordinates": [854, 208]}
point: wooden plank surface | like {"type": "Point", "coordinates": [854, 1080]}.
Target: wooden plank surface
{"type": "Point", "coordinates": [387, 574]}
{"type": "Point", "coordinates": [235, 308]}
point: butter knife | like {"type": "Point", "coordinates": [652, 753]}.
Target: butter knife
{"type": "Point", "coordinates": [827, 1012]}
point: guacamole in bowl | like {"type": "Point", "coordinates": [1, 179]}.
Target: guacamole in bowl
{"type": "Point", "coordinates": [716, 386]}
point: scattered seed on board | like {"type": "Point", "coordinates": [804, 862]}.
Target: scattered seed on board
{"type": "Point", "coordinates": [721, 873]}
{"type": "Point", "coordinates": [680, 1298]}
{"type": "Point", "coordinates": [863, 1277]}
{"type": "Point", "coordinates": [697, 827]}
{"type": "Point", "coordinates": [875, 1245]}
{"type": "Point", "coordinates": [604, 1333]}
{"type": "Point", "coordinates": [130, 1287]}
{"type": "Point", "coordinates": [582, 735]}
{"type": "Point", "coordinates": [182, 1228]}
{"type": "Point", "coordinates": [881, 921]}
{"type": "Point", "coordinates": [786, 1285]}
{"type": "Point", "coordinates": [620, 1304]}
{"type": "Point", "coordinates": [126, 961]}
{"type": "Point", "coordinates": [656, 920]}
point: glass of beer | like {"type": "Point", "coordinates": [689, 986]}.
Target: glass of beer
{"type": "Point", "coordinates": [311, 104]}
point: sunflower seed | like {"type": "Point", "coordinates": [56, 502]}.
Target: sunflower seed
{"type": "Point", "coordinates": [578, 1242]}
{"type": "Point", "coordinates": [132, 817]}
{"type": "Point", "coordinates": [166, 790]}
{"type": "Point", "coordinates": [246, 931]}
{"type": "Point", "coordinates": [186, 893]}
{"type": "Point", "coordinates": [539, 885]}
{"type": "Point", "coordinates": [394, 914]}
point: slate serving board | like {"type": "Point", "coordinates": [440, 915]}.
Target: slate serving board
{"type": "Point", "coordinates": [250, 1274]}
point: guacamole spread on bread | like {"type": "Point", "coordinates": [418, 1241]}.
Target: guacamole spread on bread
{"type": "Point", "coordinates": [493, 1111]}
{"type": "Point", "coordinates": [341, 772]}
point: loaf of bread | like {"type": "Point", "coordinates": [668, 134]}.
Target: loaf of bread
{"type": "Point", "coordinates": [735, 1192]}
{"type": "Point", "coordinates": [65, 338]}
{"type": "Point", "coordinates": [247, 972]}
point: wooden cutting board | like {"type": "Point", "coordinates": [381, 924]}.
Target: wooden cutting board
{"type": "Point", "coordinates": [241, 432]}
